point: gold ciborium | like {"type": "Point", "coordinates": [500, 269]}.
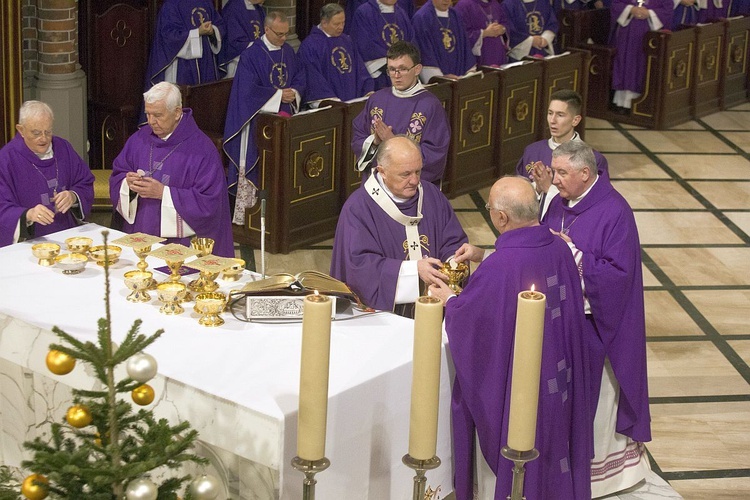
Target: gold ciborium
{"type": "Point", "coordinates": [234, 272]}
{"type": "Point", "coordinates": [204, 246]}
{"type": "Point", "coordinates": [174, 255]}
{"type": "Point", "coordinates": [79, 244]}
{"type": "Point", "coordinates": [169, 293]}
{"type": "Point", "coordinates": [71, 263]}
{"type": "Point", "coordinates": [209, 305]}
{"type": "Point", "coordinates": [456, 273]}
{"type": "Point", "coordinates": [112, 255]}
{"type": "Point", "coordinates": [138, 282]}
{"type": "Point", "coordinates": [46, 253]}
{"type": "Point", "coordinates": [209, 266]}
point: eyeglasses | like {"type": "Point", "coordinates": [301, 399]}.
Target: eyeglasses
{"type": "Point", "coordinates": [280, 35]}
{"type": "Point", "coordinates": [400, 71]}
{"type": "Point", "coordinates": [490, 209]}
{"type": "Point", "coordinates": [36, 134]}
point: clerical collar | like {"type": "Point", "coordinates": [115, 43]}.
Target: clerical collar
{"type": "Point", "coordinates": [268, 44]}
{"type": "Point", "coordinates": [386, 9]}
{"type": "Point", "coordinates": [324, 31]}
{"type": "Point", "coordinates": [411, 91]}
{"type": "Point", "coordinates": [575, 201]}
{"type": "Point", "coordinates": [166, 137]}
{"type": "Point", "coordinates": [47, 154]}
{"type": "Point", "coordinates": [441, 13]}
{"type": "Point", "coordinates": [553, 145]}
{"type": "Point", "coordinates": [388, 191]}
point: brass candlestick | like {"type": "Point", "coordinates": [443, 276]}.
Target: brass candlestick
{"type": "Point", "coordinates": [420, 481]}
{"type": "Point", "coordinates": [519, 459]}
{"type": "Point", "coordinates": [309, 468]}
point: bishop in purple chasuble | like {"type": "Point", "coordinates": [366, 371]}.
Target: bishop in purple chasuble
{"type": "Point", "coordinates": [27, 181]}
{"type": "Point", "coordinates": [530, 18]}
{"type": "Point", "coordinates": [480, 324]}
{"type": "Point", "coordinates": [443, 45]}
{"type": "Point", "coordinates": [195, 200]}
{"type": "Point", "coordinates": [476, 15]}
{"type": "Point", "coordinates": [244, 25]}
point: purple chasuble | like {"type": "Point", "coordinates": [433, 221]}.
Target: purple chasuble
{"type": "Point", "coordinates": [739, 8]}
{"type": "Point", "coordinates": [243, 26]}
{"type": "Point", "coordinates": [713, 13]}
{"type": "Point", "coordinates": [373, 32]}
{"type": "Point", "coordinates": [685, 15]}
{"type": "Point", "coordinates": [190, 165]}
{"type": "Point", "coordinates": [480, 324]}
{"type": "Point", "coordinates": [540, 151]}
{"type": "Point", "coordinates": [333, 67]}
{"type": "Point", "coordinates": [476, 15]}
{"type": "Point", "coordinates": [420, 117]}
{"type": "Point", "coordinates": [260, 73]}
{"type": "Point", "coordinates": [442, 41]}
{"type": "Point", "coordinates": [602, 227]}
{"type": "Point", "coordinates": [176, 19]}
{"type": "Point", "coordinates": [352, 5]}
{"type": "Point", "coordinates": [529, 19]}
{"type": "Point", "coordinates": [22, 186]}
{"type": "Point", "coordinates": [629, 66]}
{"type": "Point", "coordinates": [370, 246]}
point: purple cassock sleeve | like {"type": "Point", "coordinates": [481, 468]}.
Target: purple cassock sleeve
{"type": "Point", "coordinates": [368, 248]}
{"type": "Point", "coordinates": [602, 226]}
{"type": "Point", "coordinates": [25, 183]}
{"type": "Point", "coordinates": [176, 19]}
{"type": "Point", "coordinates": [480, 324]}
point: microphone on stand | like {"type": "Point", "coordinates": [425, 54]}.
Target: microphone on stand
{"type": "Point", "coordinates": [262, 195]}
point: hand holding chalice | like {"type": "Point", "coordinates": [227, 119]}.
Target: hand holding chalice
{"type": "Point", "coordinates": [456, 272]}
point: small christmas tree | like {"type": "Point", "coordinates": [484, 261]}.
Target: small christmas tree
{"type": "Point", "coordinates": [104, 449]}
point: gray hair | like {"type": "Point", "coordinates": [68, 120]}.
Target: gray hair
{"type": "Point", "coordinates": [386, 149]}
{"type": "Point", "coordinates": [275, 15]}
{"type": "Point", "coordinates": [579, 155]}
{"type": "Point", "coordinates": [164, 91]}
{"type": "Point", "coordinates": [34, 109]}
{"type": "Point", "coordinates": [519, 202]}
{"type": "Point", "coordinates": [329, 10]}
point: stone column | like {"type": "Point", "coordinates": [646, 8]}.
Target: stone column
{"type": "Point", "coordinates": [288, 7]}
{"type": "Point", "coordinates": [59, 80]}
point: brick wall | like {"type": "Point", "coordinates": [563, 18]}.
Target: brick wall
{"type": "Point", "coordinates": [50, 36]}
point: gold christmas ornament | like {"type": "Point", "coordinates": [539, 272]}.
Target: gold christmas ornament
{"type": "Point", "coordinates": [34, 491]}
{"type": "Point", "coordinates": [78, 416]}
{"type": "Point", "coordinates": [143, 395]}
{"type": "Point", "coordinates": [60, 363]}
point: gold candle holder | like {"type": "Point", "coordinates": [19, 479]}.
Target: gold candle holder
{"type": "Point", "coordinates": [309, 468]}
{"type": "Point", "coordinates": [456, 273]}
{"type": "Point", "coordinates": [46, 253]}
{"type": "Point", "coordinates": [138, 282]}
{"type": "Point", "coordinates": [169, 293]}
{"type": "Point", "coordinates": [210, 305]}
{"type": "Point", "coordinates": [519, 459]}
{"type": "Point", "coordinates": [420, 481]}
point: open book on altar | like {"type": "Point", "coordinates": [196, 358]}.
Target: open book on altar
{"type": "Point", "coordinates": [304, 283]}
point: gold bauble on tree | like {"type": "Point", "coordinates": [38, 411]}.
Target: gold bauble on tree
{"type": "Point", "coordinates": [78, 416]}
{"type": "Point", "coordinates": [143, 395]}
{"type": "Point", "coordinates": [34, 491]}
{"type": "Point", "coordinates": [60, 363]}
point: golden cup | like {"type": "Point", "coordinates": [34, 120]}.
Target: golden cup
{"type": "Point", "coordinates": [169, 293]}
{"type": "Point", "coordinates": [71, 263]}
{"type": "Point", "coordinates": [113, 254]}
{"type": "Point", "coordinates": [205, 283]}
{"type": "Point", "coordinates": [234, 272]}
{"type": "Point", "coordinates": [46, 253]}
{"type": "Point", "coordinates": [79, 244]}
{"type": "Point", "coordinates": [138, 282]}
{"type": "Point", "coordinates": [204, 246]}
{"type": "Point", "coordinates": [210, 305]}
{"type": "Point", "coordinates": [456, 273]}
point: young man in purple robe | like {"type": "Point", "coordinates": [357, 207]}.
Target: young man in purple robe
{"type": "Point", "coordinates": [334, 69]}
{"type": "Point", "coordinates": [599, 227]}
{"type": "Point", "coordinates": [376, 26]}
{"type": "Point", "coordinates": [188, 36]}
{"type": "Point", "coordinates": [563, 114]}
{"type": "Point", "coordinates": [244, 25]}
{"type": "Point", "coordinates": [45, 186]}
{"type": "Point", "coordinates": [269, 79]}
{"type": "Point", "coordinates": [480, 323]}
{"type": "Point", "coordinates": [486, 27]}
{"type": "Point", "coordinates": [394, 232]}
{"type": "Point", "coordinates": [631, 23]}
{"type": "Point", "coordinates": [406, 108]}
{"type": "Point", "coordinates": [168, 180]}
{"type": "Point", "coordinates": [442, 41]}
{"type": "Point", "coordinates": [533, 28]}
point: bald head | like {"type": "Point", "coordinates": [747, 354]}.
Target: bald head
{"type": "Point", "coordinates": [516, 198]}
{"type": "Point", "coordinates": [400, 165]}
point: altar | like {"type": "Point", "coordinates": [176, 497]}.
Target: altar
{"type": "Point", "coordinates": [237, 384]}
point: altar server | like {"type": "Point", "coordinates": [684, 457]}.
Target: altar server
{"type": "Point", "coordinates": [486, 25]}
{"type": "Point", "coordinates": [45, 186]}
{"type": "Point", "coordinates": [244, 25]}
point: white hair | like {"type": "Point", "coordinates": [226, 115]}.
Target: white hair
{"type": "Point", "coordinates": [164, 91]}
{"type": "Point", "coordinates": [34, 109]}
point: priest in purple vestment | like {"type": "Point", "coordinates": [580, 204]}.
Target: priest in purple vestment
{"type": "Point", "coordinates": [631, 23]}
{"type": "Point", "coordinates": [599, 227]}
{"type": "Point", "coordinates": [712, 10]}
{"type": "Point", "coordinates": [168, 180]}
{"type": "Point", "coordinates": [187, 39]}
{"type": "Point", "coordinates": [563, 115]}
{"type": "Point", "coordinates": [244, 25]}
{"type": "Point", "coordinates": [685, 13]}
{"type": "Point", "coordinates": [480, 323]}
{"type": "Point", "coordinates": [352, 6]}
{"type": "Point", "coordinates": [394, 232]}
{"type": "Point", "coordinates": [376, 26]}
{"type": "Point", "coordinates": [45, 186]}
{"type": "Point", "coordinates": [533, 28]}
{"type": "Point", "coordinates": [406, 108]}
{"type": "Point", "coordinates": [269, 79]}
{"type": "Point", "coordinates": [441, 38]}
{"type": "Point", "coordinates": [487, 28]}
{"type": "Point", "coordinates": [334, 69]}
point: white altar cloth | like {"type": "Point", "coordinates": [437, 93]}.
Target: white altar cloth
{"type": "Point", "coordinates": [237, 384]}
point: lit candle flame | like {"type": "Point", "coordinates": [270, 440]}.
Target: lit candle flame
{"type": "Point", "coordinates": [533, 288]}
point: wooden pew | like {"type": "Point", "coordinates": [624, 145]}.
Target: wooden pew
{"type": "Point", "coordinates": [737, 81]}
{"type": "Point", "coordinates": [350, 177]}
{"type": "Point", "coordinates": [578, 26]}
{"type": "Point", "coordinates": [708, 76]}
{"type": "Point", "coordinates": [209, 103]}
